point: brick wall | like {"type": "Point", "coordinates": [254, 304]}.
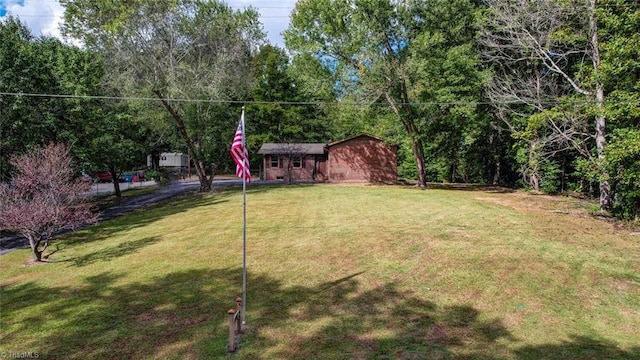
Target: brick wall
{"type": "Point", "coordinates": [304, 173]}
{"type": "Point", "coordinates": [362, 158]}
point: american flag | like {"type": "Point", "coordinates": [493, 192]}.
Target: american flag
{"type": "Point", "coordinates": [239, 152]}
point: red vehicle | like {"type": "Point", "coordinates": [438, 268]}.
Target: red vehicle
{"type": "Point", "coordinates": [102, 176]}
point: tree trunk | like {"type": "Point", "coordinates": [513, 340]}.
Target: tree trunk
{"type": "Point", "coordinates": [116, 182]}
{"type": "Point", "coordinates": [37, 254]}
{"type": "Point", "coordinates": [416, 143]}
{"type": "Point", "coordinates": [205, 181]}
{"type": "Point", "coordinates": [116, 187]}
{"type": "Point", "coordinates": [418, 154]}
{"type": "Point", "coordinates": [605, 188]}
{"type": "Point", "coordinates": [534, 180]}
{"type": "Point", "coordinates": [290, 169]}
{"type": "Point", "coordinates": [534, 164]}
{"type": "Point", "coordinates": [453, 167]}
{"type": "Point", "coordinates": [496, 174]}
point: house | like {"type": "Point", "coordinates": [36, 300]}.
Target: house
{"type": "Point", "coordinates": [295, 161]}
{"type": "Point", "coordinates": [360, 158]}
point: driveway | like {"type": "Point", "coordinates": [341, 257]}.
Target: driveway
{"type": "Point", "coordinates": [10, 243]}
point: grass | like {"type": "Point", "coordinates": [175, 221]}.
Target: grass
{"type": "Point", "coordinates": [108, 200]}
{"type": "Point", "coordinates": [334, 272]}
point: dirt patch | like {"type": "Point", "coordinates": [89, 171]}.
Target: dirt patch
{"type": "Point", "coordinates": [33, 262]}
{"type": "Point", "coordinates": [550, 206]}
{"type": "Point", "coordinates": [527, 201]}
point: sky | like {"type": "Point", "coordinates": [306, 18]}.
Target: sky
{"type": "Point", "coordinates": [43, 17]}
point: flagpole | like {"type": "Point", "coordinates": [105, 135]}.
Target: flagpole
{"type": "Point", "coordinates": [244, 232]}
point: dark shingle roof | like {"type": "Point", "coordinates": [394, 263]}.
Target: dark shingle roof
{"type": "Point", "coordinates": [354, 137]}
{"type": "Point", "coordinates": [287, 148]}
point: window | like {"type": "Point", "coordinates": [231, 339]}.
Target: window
{"type": "Point", "coordinates": [297, 162]}
{"type": "Point", "coordinates": [275, 161]}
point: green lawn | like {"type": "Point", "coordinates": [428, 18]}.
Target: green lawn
{"type": "Point", "coordinates": [334, 272]}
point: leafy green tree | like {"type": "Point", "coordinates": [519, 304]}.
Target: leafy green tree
{"type": "Point", "coordinates": [26, 67]}
{"type": "Point", "coordinates": [116, 141]}
{"type": "Point", "coordinates": [405, 55]}
{"type": "Point", "coordinates": [623, 163]}
{"type": "Point", "coordinates": [554, 62]}
{"type": "Point", "coordinates": [619, 72]}
{"type": "Point", "coordinates": [559, 69]}
{"type": "Point", "coordinates": [101, 132]}
{"type": "Point", "coordinates": [188, 54]}
{"type": "Point", "coordinates": [272, 120]}
{"type": "Point", "coordinates": [366, 46]}
{"type": "Point", "coordinates": [282, 111]}
{"type": "Point", "coordinates": [487, 152]}
{"type": "Point", "coordinates": [449, 83]}
{"type": "Point", "coordinates": [34, 71]}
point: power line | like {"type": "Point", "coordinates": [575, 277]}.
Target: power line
{"type": "Point", "coordinates": [294, 103]}
{"type": "Point", "coordinates": [154, 99]}
{"type": "Point", "coordinates": [290, 8]}
{"type": "Point", "coordinates": [56, 17]}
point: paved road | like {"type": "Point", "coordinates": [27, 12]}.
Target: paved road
{"type": "Point", "coordinates": [8, 244]}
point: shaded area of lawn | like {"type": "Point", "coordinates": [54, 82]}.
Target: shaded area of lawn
{"type": "Point", "coordinates": [144, 217]}
{"type": "Point", "coordinates": [182, 315]}
{"type": "Point", "coordinates": [103, 320]}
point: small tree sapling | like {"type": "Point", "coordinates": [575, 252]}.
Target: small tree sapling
{"type": "Point", "coordinates": [43, 197]}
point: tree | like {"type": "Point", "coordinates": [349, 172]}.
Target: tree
{"type": "Point", "coordinates": [14, 56]}
{"type": "Point", "coordinates": [417, 57]}
{"type": "Point", "coordinates": [190, 55]}
{"type": "Point", "coordinates": [271, 119]}
{"type": "Point", "coordinates": [623, 161]}
{"type": "Point", "coordinates": [116, 141]}
{"type": "Point", "coordinates": [619, 73]}
{"type": "Point", "coordinates": [542, 50]}
{"type": "Point", "coordinates": [40, 73]}
{"type": "Point", "coordinates": [43, 197]}
{"type": "Point", "coordinates": [448, 84]}
{"type": "Point", "coordinates": [365, 45]}
{"type": "Point", "coordinates": [42, 66]}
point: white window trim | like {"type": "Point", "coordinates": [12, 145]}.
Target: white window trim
{"type": "Point", "coordinates": [300, 159]}
{"type": "Point", "coordinates": [277, 161]}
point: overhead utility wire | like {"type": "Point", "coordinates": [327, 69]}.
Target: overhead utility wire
{"type": "Point", "coordinates": [257, 102]}
{"type": "Point", "coordinates": [52, 16]}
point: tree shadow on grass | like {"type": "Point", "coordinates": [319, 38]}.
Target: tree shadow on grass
{"type": "Point", "coordinates": [389, 323]}
{"type": "Point", "coordinates": [143, 217]}
{"type": "Point", "coordinates": [580, 347]}
{"type": "Point", "coordinates": [182, 315]}
{"type": "Point", "coordinates": [381, 323]}
{"type": "Point", "coordinates": [179, 314]}
{"type": "Point", "coordinates": [469, 187]}
{"type": "Point", "coordinates": [125, 248]}
{"type": "Point", "coordinates": [156, 212]}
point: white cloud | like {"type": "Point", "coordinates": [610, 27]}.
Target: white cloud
{"type": "Point", "coordinates": [274, 16]}
{"type": "Point", "coordinates": [43, 17]}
